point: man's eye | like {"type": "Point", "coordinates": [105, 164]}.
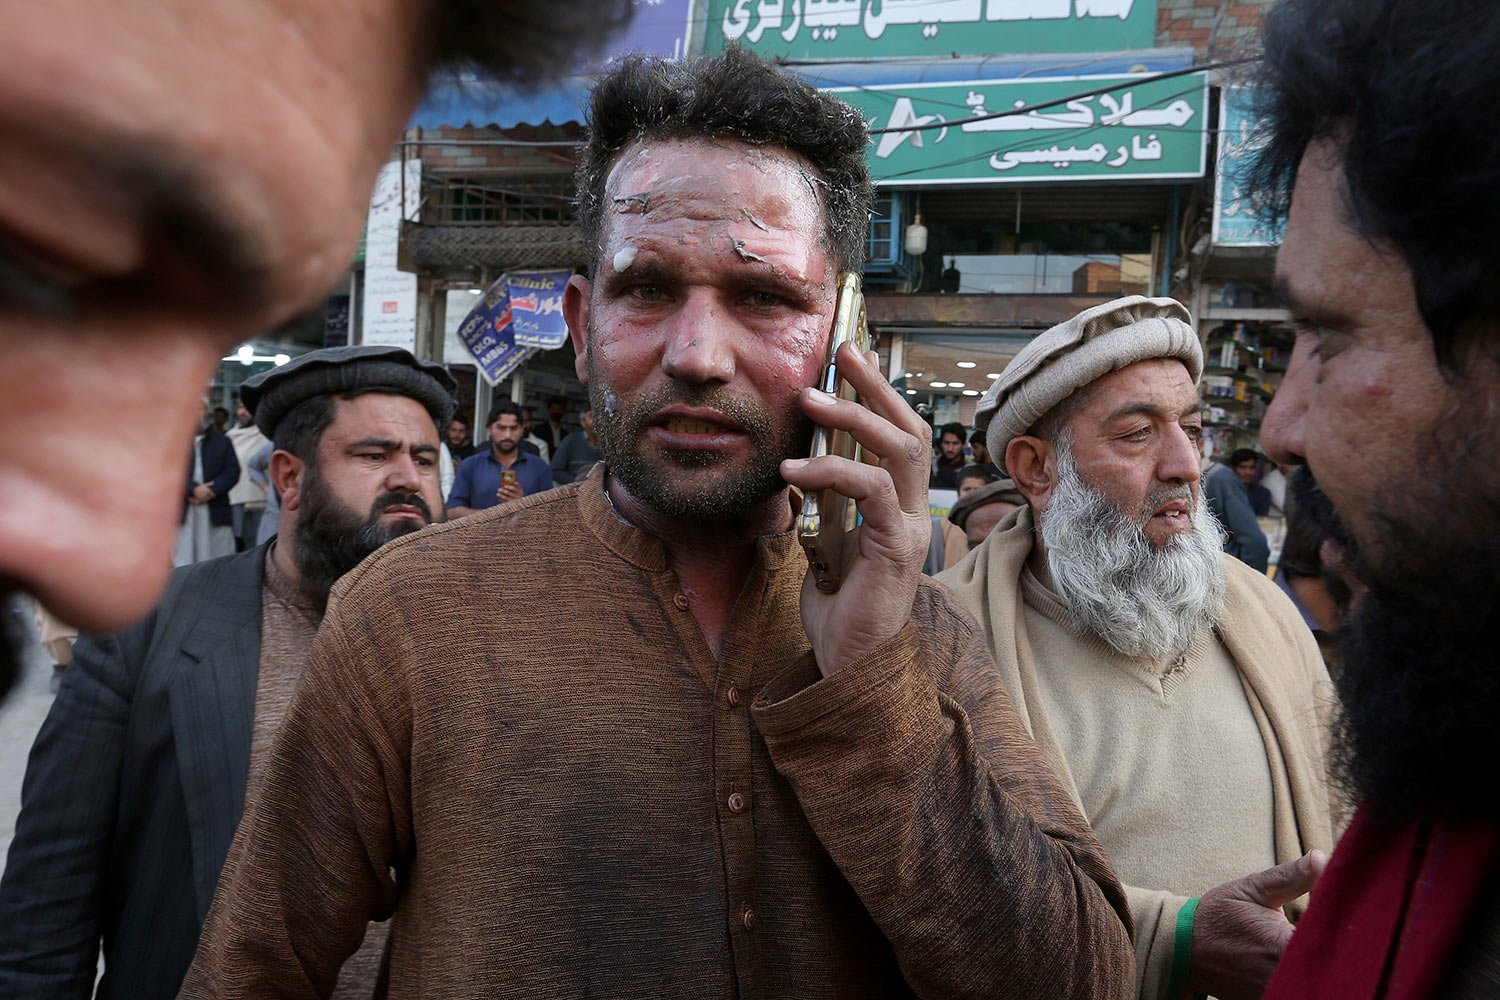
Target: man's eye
{"type": "Point", "coordinates": [1324, 342]}
{"type": "Point", "coordinates": [647, 293]}
{"type": "Point", "coordinates": [764, 300]}
{"type": "Point", "coordinates": [1193, 431]}
{"type": "Point", "coordinates": [1139, 434]}
{"type": "Point", "coordinates": [28, 287]}
{"type": "Point", "coordinates": [373, 456]}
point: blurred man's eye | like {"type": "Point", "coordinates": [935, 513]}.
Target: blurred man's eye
{"type": "Point", "coordinates": [26, 286]}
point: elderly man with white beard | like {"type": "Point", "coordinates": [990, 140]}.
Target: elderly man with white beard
{"type": "Point", "coordinates": [1175, 690]}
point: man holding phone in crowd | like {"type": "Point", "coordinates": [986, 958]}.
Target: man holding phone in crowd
{"type": "Point", "coordinates": [729, 782]}
{"type": "Point", "coordinates": [503, 471]}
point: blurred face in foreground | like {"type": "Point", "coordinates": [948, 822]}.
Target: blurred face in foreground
{"type": "Point", "coordinates": [193, 182]}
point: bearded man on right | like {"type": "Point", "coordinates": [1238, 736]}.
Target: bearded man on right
{"type": "Point", "coordinates": [1175, 690]}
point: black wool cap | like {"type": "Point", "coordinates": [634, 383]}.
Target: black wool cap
{"type": "Point", "coordinates": [271, 395]}
{"type": "Point", "coordinates": [1000, 491]}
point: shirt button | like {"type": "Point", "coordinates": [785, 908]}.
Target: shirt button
{"type": "Point", "coordinates": [681, 601]}
{"type": "Point", "coordinates": [736, 802]}
{"type": "Point", "coordinates": [732, 696]}
{"type": "Point", "coordinates": [747, 918]}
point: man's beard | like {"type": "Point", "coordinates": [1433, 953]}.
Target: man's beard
{"type": "Point", "coordinates": [622, 424]}
{"type": "Point", "coordinates": [1419, 681]}
{"type": "Point", "coordinates": [1144, 601]}
{"type": "Point", "coordinates": [332, 539]}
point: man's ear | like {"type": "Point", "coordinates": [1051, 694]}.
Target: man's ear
{"type": "Point", "coordinates": [1032, 463]}
{"type": "Point", "coordinates": [287, 471]}
{"type": "Point", "coordinates": [576, 312]}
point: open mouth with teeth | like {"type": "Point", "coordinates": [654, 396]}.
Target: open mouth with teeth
{"type": "Point", "coordinates": [695, 433]}
{"type": "Point", "coordinates": [687, 425]}
{"type": "Point", "coordinates": [1176, 514]}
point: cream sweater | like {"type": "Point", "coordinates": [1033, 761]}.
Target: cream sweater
{"type": "Point", "coordinates": [1190, 778]}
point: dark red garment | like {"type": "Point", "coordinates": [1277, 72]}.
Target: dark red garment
{"type": "Point", "coordinates": [1390, 911]}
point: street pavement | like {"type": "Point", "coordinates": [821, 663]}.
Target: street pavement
{"type": "Point", "coordinates": [21, 716]}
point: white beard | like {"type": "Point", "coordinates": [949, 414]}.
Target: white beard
{"type": "Point", "coordinates": [1144, 601]}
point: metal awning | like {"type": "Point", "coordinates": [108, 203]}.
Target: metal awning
{"type": "Point", "coordinates": [470, 101]}
{"type": "Point", "coordinates": [478, 102]}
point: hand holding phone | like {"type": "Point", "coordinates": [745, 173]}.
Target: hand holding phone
{"type": "Point", "coordinates": [828, 517]}
{"type": "Point", "coordinates": [879, 562]}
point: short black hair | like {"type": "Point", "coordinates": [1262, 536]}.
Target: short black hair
{"type": "Point", "coordinates": [302, 428]}
{"type": "Point", "coordinates": [733, 95]}
{"type": "Point", "coordinates": [956, 429]}
{"type": "Point", "coordinates": [516, 41]}
{"type": "Point", "coordinates": [979, 437]}
{"type": "Point", "coordinates": [502, 407]}
{"type": "Point", "coordinates": [1406, 90]}
{"type": "Point", "coordinates": [459, 418]}
{"type": "Point", "coordinates": [1243, 455]}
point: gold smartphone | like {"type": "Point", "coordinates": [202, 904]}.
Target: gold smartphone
{"type": "Point", "coordinates": [827, 520]}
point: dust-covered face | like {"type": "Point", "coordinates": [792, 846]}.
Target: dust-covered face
{"type": "Point", "coordinates": [192, 180]}
{"type": "Point", "coordinates": [710, 308]}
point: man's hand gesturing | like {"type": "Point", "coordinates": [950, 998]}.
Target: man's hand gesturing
{"type": "Point", "coordinates": [1240, 930]}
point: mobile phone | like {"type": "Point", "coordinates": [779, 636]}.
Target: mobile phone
{"type": "Point", "coordinates": [828, 518]}
{"type": "Point", "coordinates": [508, 477]}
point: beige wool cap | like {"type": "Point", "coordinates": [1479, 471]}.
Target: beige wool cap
{"type": "Point", "coordinates": [1069, 356]}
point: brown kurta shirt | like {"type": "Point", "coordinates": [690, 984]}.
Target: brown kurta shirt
{"type": "Point", "coordinates": [579, 801]}
{"type": "Point", "coordinates": [288, 623]}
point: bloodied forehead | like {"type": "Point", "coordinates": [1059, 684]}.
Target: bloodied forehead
{"type": "Point", "coordinates": [757, 195]}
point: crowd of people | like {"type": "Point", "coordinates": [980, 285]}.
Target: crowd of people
{"type": "Point", "coordinates": [1099, 755]}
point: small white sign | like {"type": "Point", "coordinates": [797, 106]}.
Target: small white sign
{"type": "Point", "coordinates": [390, 314]}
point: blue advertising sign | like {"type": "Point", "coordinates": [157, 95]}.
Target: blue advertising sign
{"type": "Point", "coordinates": [536, 307]}
{"type": "Point", "coordinates": [658, 28]}
{"type": "Point", "coordinates": [489, 335]}
{"type": "Point", "coordinates": [1236, 223]}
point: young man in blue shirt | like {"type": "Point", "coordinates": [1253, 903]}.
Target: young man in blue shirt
{"type": "Point", "coordinates": [484, 480]}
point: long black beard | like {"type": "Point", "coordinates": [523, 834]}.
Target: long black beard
{"type": "Point", "coordinates": [332, 539]}
{"type": "Point", "coordinates": [1420, 677]}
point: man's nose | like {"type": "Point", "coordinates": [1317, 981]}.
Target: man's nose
{"type": "Point", "coordinates": [403, 475]}
{"type": "Point", "coordinates": [698, 347]}
{"type": "Point", "coordinates": [1283, 431]}
{"type": "Point", "coordinates": [1181, 461]}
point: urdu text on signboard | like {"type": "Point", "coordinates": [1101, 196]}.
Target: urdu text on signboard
{"type": "Point", "coordinates": [856, 29]}
{"type": "Point", "coordinates": [948, 133]}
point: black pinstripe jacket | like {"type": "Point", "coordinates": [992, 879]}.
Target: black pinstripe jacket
{"type": "Point", "coordinates": [132, 794]}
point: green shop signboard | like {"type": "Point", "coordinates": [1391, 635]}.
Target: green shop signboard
{"type": "Point", "coordinates": [1147, 130]}
{"type": "Point", "coordinates": [854, 29]}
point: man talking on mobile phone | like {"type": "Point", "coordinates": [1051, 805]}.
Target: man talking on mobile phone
{"type": "Point", "coordinates": [725, 783]}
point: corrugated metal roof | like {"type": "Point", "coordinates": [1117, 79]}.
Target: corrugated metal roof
{"type": "Point", "coordinates": [482, 102]}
